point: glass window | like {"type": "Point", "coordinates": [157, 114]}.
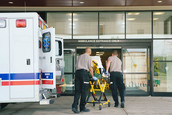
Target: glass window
{"type": "Point", "coordinates": [58, 48]}
{"type": "Point", "coordinates": [68, 59]}
{"type": "Point", "coordinates": [162, 76]}
{"type": "Point", "coordinates": [85, 25]}
{"type": "Point", "coordinates": [62, 22]}
{"type": "Point", "coordinates": [2, 23]}
{"type": "Point", "coordinates": [136, 80]}
{"type": "Point", "coordinates": [68, 86]}
{"type": "Point", "coordinates": [135, 60]}
{"type": "Point", "coordinates": [112, 25]}
{"type": "Point", "coordinates": [162, 24]}
{"type": "Point", "coordinates": [138, 25]}
{"type": "Point", "coordinates": [162, 50]}
{"type": "Point", "coordinates": [46, 42]}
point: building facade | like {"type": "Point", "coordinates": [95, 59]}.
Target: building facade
{"type": "Point", "coordinates": [140, 31]}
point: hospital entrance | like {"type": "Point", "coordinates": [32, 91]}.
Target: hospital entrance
{"type": "Point", "coordinates": [135, 67]}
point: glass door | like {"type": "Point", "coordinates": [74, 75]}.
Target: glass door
{"type": "Point", "coordinates": [136, 70]}
{"type": "Point", "coordinates": [69, 59]}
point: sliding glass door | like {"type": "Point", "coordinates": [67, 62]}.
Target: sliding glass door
{"type": "Point", "coordinates": [136, 70]}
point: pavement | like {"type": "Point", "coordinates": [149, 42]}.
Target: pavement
{"type": "Point", "coordinates": [62, 106]}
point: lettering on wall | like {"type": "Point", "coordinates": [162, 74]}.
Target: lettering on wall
{"type": "Point", "coordinates": [96, 41]}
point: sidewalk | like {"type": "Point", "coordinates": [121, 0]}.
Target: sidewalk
{"type": "Point", "coordinates": [62, 106]}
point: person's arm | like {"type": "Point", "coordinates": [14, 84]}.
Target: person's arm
{"type": "Point", "coordinates": [91, 71]}
{"type": "Point", "coordinates": [90, 67]}
{"type": "Point", "coordinates": [107, 65]}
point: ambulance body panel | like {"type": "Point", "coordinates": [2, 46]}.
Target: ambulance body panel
{"type": "Point", "coordinates": [24, 66]}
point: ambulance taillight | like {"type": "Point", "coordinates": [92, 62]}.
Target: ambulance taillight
{"type": "Point", "coordinates": [2, 23]}
{"type": "Point", "coordinates": [40, 44]}
{"type": "Point", "coordinates": [21, 23]}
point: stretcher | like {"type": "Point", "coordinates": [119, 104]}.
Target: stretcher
{"type": "Point", "coordinates": [95, 87]}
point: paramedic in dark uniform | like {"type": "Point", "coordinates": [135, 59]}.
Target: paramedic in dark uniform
{"type": "Point", "coordinates": [83, 66]}
{"type": "Point", "coordinates": [116, 78]}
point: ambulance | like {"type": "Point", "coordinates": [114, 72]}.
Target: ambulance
{"type": "Point", "coordinates": [31, 59]}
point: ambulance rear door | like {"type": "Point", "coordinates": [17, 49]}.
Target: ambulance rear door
{"type": "Point", "coordinates": [48, 59]}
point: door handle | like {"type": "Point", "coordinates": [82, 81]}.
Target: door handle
{"type": "Point", "coordinates": [50, 59]}
{"type": "Point", "coordinates": [28, 61]}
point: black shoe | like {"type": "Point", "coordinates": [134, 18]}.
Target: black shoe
{"type": "Point", "coordinates": [75, 110]}
{"type": "Point", "coordinates": [85, 110]}
{"type": "Point", "coordinates": [116, 105]}
{"type": "Point", "coordinates": [122, 104]}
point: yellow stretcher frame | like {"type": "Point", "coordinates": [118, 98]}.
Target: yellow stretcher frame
{"type": "Point", "coordinates": [98, 87]}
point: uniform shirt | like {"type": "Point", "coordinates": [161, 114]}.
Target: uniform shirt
{"type": "Point", "coordinates": [115, 65]}
{"type": "Point", "coordinates": [83, 62]}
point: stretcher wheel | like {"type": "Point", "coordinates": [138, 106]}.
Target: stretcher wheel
{"type": "Point", "coordinates": [100, 107]}
{"type": "Point", "coordinates": [94, 104]}
{"type": "Point", "coordinates": [108, 104]}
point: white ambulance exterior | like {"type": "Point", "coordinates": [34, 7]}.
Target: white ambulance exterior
{"type": "Point", "coordinates": [28, 55]}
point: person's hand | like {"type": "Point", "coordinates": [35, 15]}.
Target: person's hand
{"type": "Point", "coordinates": [94, 78]}
{"type": "Point", "coordinates": [107, 73]}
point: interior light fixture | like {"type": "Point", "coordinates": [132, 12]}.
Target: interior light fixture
{"type": "Point", "coordinates": [155, 19]}
{"type": "Point", "coordinates": [131, 19]}
{"type": "Point", "coordinates": [133, 13]}
{"type": "Point", "coordinates": [73, 19]}
{"type": "Point", "coordinates": [70, 14]}
{"type": "Point", "coordinates": [10, 2]}
{"type": "Point", "coordinates": [99, 52]}
{"type": "Point", "coordinates": [81, 2]}
{"type": "Point", "coordinates": [159, 1]}
{"type": "Point", "coordinates": [159, 13]}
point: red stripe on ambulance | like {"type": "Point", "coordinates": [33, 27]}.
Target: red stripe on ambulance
{"type": "Point", "coordinates": [5, 83]}
{"type": "Point", "coordinates": [48, 82]}
{"type": "Point", "coordinates": [14, 83]}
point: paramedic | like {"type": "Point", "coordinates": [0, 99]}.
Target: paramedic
{"type": "Point", "coordinates": [83, 66]}
{"type": "Point", "coordinates": [116, 78]}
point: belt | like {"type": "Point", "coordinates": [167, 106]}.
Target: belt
{"type": "Point", "coordinates": [82, 70]}
{"type": "Point", "coordinates": [115, 72]}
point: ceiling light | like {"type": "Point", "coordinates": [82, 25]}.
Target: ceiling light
{"type": "Point", "coordinates": [155, 19]}
{"type": "Point", "coordinates": [100, 53]}
{"type": "Point", "coordinates": [73, 19]}
{"type": "Point", "coordinates": [159, 1]}
{"type": "Point", "coordinates": [74, 14]}
{"type": "Point", "coordinates": [131, 19]}
{"type": "Point", "coordinates": [81, 2]}
{"type": "Point", "coordinates": [10, 2]}
{"type": "Point", "coordinates": [70, 14]}
{"type": "Point", "coordinates": [159, 13]}
{"type": "Point", "coordinates": [133, 13]}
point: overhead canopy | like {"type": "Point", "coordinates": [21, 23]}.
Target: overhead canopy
{"type": "Point", "coordinates": [84, 3]}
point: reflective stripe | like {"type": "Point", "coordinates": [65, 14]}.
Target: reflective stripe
{"type": "Point", "coordinates": [86, 82]}
{"type": "Point", "coordinates": [15, 83]}
{"type": "Point", "coordinates": [19, 76]}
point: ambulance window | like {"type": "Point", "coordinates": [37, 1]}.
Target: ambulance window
{"type": "Point", "coordinates": [58, 48]}
{"type": "Point", "coordinates": [2, 23]}
{"type": "Point", "coordinates": [46, 42]}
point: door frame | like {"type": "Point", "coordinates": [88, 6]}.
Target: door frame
{"type": "Point", "coordinates": [149, 66]}
{"type": "Point", "coordinates": [122, 43]}
{"type": "Point", "coordinates": [73, 51]}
